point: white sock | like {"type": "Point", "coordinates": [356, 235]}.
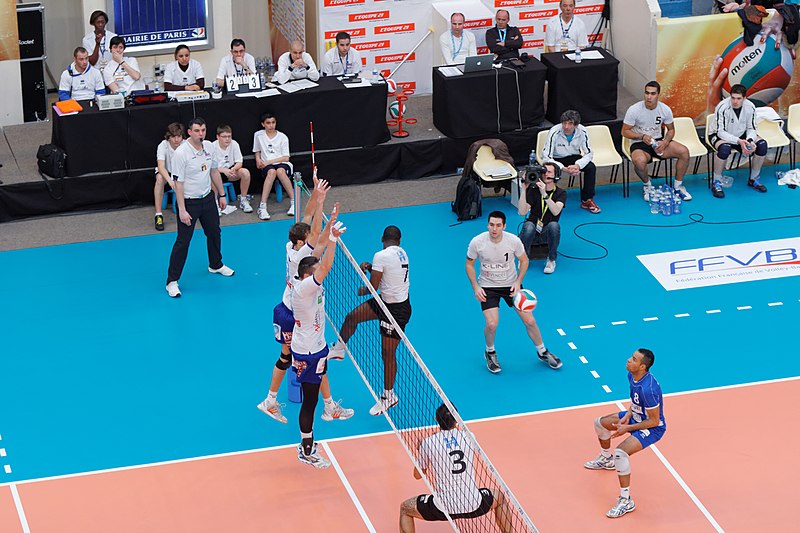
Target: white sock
{"type": "Point", "coordinates": [159, 213]}
{"type": "Point", "coordinates": [605, 452]}
{"type": "Point", "coordinates": [754, 178]}
{"type": "Point", "coordinates": [646, 184]}
{"type": "Point", "coordinates": [625, 492]}
{"type": "Point", "coordinates": [490, 349]}
{"type": "Point", "coordinates": [678, 183]}
{"type": "Point", "coordinates": [328, 402]}
{"type": "Point", "coordinates": [263, 204]}
{"type": "Point", "coordinates": [541, 349]}
{"type": "Point", "coordinates": [273, 395]}
{"type": "Point", "coordinates": [388, 393]}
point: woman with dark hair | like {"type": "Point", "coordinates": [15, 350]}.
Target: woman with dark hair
{"type": "Point", "coordinates": [98, 41]}
{"type": "Point", "coordinates": [184, 74]}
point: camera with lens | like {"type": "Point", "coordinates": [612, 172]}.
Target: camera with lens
{"type": "Point", "coordinates": [533, 173]}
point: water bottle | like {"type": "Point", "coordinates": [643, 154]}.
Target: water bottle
{"type": "Point", "coordinates": [653, 204]}
{"type": "Point", "coordinates": [532, 158]}
{"type": "Point", "coordinates": [263, 80]}
{"type": "Point", "coordinates": [676, 205]}
{"type": "Point", "coordinates": [654, 144]}
{"type": "Point", "coordinates": [578, 55]}
{"type": "Point", "coordinates": [375, 77]}
{"type": "Point", "coordinates": [158, 86]}
{"type": "Point", "coordinates": [270, 68]}
{"type": "Point", "coordinates": [667, 207]}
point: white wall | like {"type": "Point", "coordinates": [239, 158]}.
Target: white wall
{"type": "Point", "coordinates": [634, 37]}
{"type": "Point", "coordinates": [11, 102]}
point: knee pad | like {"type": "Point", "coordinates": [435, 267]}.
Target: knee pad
{"type": "Point", "coordinates": [761, 147]}
{"type": "Point", "coordinates": [724, 151]}
{"type": "Point", "coordinates": [622, 461]}
{"type": "Point", "coordinates": [602, 433]}
{"type": "Point", "coordinates": [282, 364]}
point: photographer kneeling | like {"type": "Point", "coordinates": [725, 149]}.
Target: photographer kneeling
{"type": "Point", "coordinates": [542, 202]}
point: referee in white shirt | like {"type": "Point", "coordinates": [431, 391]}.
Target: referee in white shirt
{"type": "Point", "coordinates": [193, 170]}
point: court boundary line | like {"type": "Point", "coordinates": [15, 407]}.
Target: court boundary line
{"type": "Point", "coordinates": [685, 486]}
{"type": "Point", "coordinates": [349, 488]}
{"type": "Point", "coordinates": [23, 520]}
{"type": "Point", "coordinates": [378, 434]}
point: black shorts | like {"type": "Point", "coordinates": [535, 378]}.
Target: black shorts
{"type": "Point", "coordinates": [713, 139]}
{"type": "Point", "coordinates": [430, 513]}
{"type": "Point", "coordinates": [401, 312]}
{"type": "Point", "coordinates": [493, 296]}
{"type": "Point", "coordinates": [639, 145]}
{"type": "Point", "coordinates": [275, 167]}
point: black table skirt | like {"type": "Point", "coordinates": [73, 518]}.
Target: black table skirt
{"type": "Point", "coordinates": [466, 106]}
{"type": "Point", "coordinates": [589, 87]}
{"type": "Point", "coordinates": [102, 141]}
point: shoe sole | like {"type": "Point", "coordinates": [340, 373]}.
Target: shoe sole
{"type": "Point", "coordinates": [626, 511]}
{"type": "Point", "coordinates": [282, 419]}
{"type": "Point", "coordinates": [319, 465]}
{"type": "Point", "coordinates": [332, 418]}
{"type": "Point", "coordinates": [212, 271]}
{"type": "Point", "coordinates": [495, 371]}
{"type": "Point", "coordinates": [383, 409]}
{"type": "Point", "coordinates": [589, 467]}
{"type": "Point", "coordinates": [592, 211]}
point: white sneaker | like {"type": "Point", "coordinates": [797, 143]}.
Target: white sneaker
{"type": "Point", "coordinates": [388, 400]}
{"type": "Point", "coordinates": [224, 270]}
{"type": "Point", "coordinates": [336, 351]}
{"type": "Point", "coordinates": [173, 290]}
{"type": "Point", "coordinates": [647, 190]}
{"type": "Point", "coordinates": [336, 412]}
{"type": "Point", "coordinates": [290, 212]}
{"type": "Point", "coordinates": [623, 506]}
{"type": "Point", "coordinates": [272, 409]}
{"type": "Point", "coordinates": [684, 194]}
{"type": "Point", "coordinates": [244, 204]}
{"type": "Point", "coordinates": [262, 212]}
{"type": "Point", "coordinates": [315, 459]}
{"type": "Point", "coordinates": [549, 267]}
{"type": "Point", "coordinates": [601, 463]}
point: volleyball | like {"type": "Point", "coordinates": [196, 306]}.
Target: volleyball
{"type": "Point", "coordinates": [391, 86]}
{"type": "Point", "coordinates": [396, 109]}
{"type": "Point", "coordinates": [525, 300]}
{"type": "Point", "coordinates": [761, 68]}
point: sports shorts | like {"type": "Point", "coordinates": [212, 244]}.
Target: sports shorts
{"type": "Point", "coordinates": [493, 296]}
{"type": "Point", "coordinates": [310, 367]}
{"type": "Point", "coordinates": [646, 436]}
{"type": "Point", "coordinates": [275, 167]}
{"type": "Point", "coordinates": [430, 513]}
{"type": "Point", "coordinates": [283, 323]}
{"type": "Point", "coordinates": [401, 311]}
{"type": "Point", "coordinates": [639, 145]}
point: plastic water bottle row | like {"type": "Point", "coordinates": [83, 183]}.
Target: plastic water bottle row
{"type": "Point", "coordinates": [666, 201]}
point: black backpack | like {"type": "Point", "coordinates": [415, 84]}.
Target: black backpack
{"type": "Point", "coordinates": [468, 198]}
{"type": "Point", "coordinates": [52, 162]}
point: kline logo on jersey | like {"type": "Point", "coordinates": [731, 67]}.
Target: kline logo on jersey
{"type": "Point", "coordinates": [725, 264]}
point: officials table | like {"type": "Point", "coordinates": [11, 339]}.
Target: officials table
{"type": "Point", "coordinates": [102, 141]}
{"type": "Point", "coordinates": [590, 87]}
{"type": "Point", "coordinates": [467, 106]}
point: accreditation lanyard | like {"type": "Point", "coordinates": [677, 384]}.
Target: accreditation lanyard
{"type": "Point", "coordinates": [453, 43]}
{"type": "Point", "coordinates": [545, 207]}
{"type": "Point", "coordinates": [565, 32]}
{"type": "Point", "coordinates": [102, 45]}
{"type": "Point", "coordinates": [345, 63]}
{"type": "Point", "coordinates": [501, 34]}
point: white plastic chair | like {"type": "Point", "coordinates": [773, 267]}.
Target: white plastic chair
{"type": "Point", "coordinates": [686, 134]}
{"type": "Point", "coordinates": [793, 129]}
{"type": "Point", "coordinates": [604, 154]}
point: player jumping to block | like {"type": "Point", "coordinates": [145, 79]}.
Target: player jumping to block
{"type": "Point", "coordinates": [447, 459]}
{"type": "Point", "coordinates": [388, 273]}
{"type": "Point", "coordinates": [647, 414]}
{"type": "Point", "coordinates": [496, 251]}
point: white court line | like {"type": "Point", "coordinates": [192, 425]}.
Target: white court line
{"type": "Point", "coordinates": [682, 483]}
{"type": "Point", "coordinates": [594, 374]}
{"type": "Point", "coordinates": [2, 452]}
{"type": "Point", "coordinates": [561, 332]}
{"type": "Point", "coordinates": [606, 388]}
{"type": "Point", "coordinates": [390, 432]}
{"type": "Point", "coordinates": [650, 318]}
{"type": "Point", "coordinates": [587, 326]}
{"type": "Point", "coordinates": [572, 345]}
{"type": "Point", "coordinates": [349, 488]}
{"type": "Point", "coordinates": [619, 323]}
{"type": "Point", "coordinates": [23, 521]}
{"type": "Point", "coordinates": [744, 307]}
{"type": "Point", "coordinates": [7, 468]}
{"type": "Point", "coordinates": [583, 360]}
{"type": "Point", "coordinates": [773, 304]}
{"type": "Point", "coordinates": [713, 311]}
{"type": "Point", "coordinates": [681, 315]}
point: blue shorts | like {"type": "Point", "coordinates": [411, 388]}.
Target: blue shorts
{"type": "Point", "coordinates": [283, 323]}
{"type": "Point", "coordinates": [646, 436]}
{"type": "Point", "coordinates": [311, 367]}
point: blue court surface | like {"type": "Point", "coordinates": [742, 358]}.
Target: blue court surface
{"type": "Point", "coordinates": [100, 369]}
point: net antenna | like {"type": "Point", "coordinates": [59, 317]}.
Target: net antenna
{"type": "Point", "coordinates": [420, 395]}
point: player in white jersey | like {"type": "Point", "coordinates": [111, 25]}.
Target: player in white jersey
{"type": "Point", "coordinates": [304, 241]}
{"type": "Point", "coordinates": [496, 250]}
{"type": "Point", "coordinates": [734, 128]}
{"type": "Point", "coordinates": [388, 273]}
{"type": "Point", "coordinates": [309, 349]}
{"type": "Point", "coordinates": [229, 155]}
{"type": "Point", "coordinates": [447, 459]}
{"type": "Point", "coordinates": [644, 420]}
{"type": "Point", "coordinates": [649, 125]}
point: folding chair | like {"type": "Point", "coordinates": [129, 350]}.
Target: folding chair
{"type": "Point", "coordinates": [604, 154]}
{"type": "Point", "coordinates": [793, 129]}
{"type": "Point", "coordinates": [686, 134]}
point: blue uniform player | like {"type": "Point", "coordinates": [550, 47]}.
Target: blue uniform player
{"type": "Point", "coordinates": [644, 420]}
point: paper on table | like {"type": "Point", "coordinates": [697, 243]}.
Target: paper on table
{"type": "Point", "coordinates": [588, 54]}
{"type": "Point", "coordinates": [259, 94]}
{"type": "Point", "coordinates": [290, 88]}
{"type": "Point", "coordinates": [304, 84]}
{"type": "Point", "coordinates": [364, 83]}
{"type": "Point", "coordinates": [450, 71]}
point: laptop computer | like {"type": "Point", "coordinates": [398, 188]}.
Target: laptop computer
{"type": "Point", "coordinates": [477, 63]}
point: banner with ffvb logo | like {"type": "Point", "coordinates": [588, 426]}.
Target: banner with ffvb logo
{"type": "Point", "coordinates": [720, 265]}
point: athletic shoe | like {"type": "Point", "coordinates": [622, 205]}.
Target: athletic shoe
{"type": "Point", "coordinates": [388, 400]}
{"type": "Point", "coordinates": [336, 351]}
{"type": "Point", "coordinates": [491, 362]}
{"type": "Point", "coordinates": [757, 185]}
{"type": "Point", "coordinates": [244, 204]}
{"type": "Point", "coordinates": [159, 222]}
{"type": "Point", "coordinates": [681, 191]}
{"type": "Point", "coordinates": [315, 459]}
{"type": "Point", "coordinates": [716, 190]}
{"type": "Point", "coordinates": [554, 362]}
{"type": "Point", "coordinates": [262, 212]}
{"type": "Point", "coordinates": [623, 506]}
{"type": "Point", "coordinates": [290, 212]}
{"type": "Point", "coordinates": [272, 409]}
{"type": "Point", "coordinates": [647, 190]}
{"type": "Point", "coordinates": [173, 290]}
{"type": "Point", "coordinates": [601, 463]}
{"type": "Point", "coordinates": [590, 206]}
{"type": "Point", "coordinates": [336, 412]}
{"type": "Point", "coordinates": [224, 270]}
{"type": "Point", "coordinates": [549, 267]}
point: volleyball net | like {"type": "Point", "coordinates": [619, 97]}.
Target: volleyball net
{"type": "Point", "coordinates": [455, 475]}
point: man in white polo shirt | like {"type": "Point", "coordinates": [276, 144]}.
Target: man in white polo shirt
{"type": "Point", "coordinates": [193, 169]}
{"type": "Point", "coordinates": [98, 41]}
{"type": "Point", "coordinates": [341, 60]}
{"type": "Point", "coordinates": [80, 81]}
{"type": "Point", "coordinates": [565, 31]}
{"type": "Point", "coordinates": [237, 63]}
{"type": "Point", "coordinates": [296, 64]}
{"type": "Point", "coordinates": [457, 44]}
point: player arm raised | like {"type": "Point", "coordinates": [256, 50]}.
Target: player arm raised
{"type": "Point", "coordinates": [652, 420]}
{"type": "Point", "coordinates": [336, 229]}
{"type": "Point", "coordinates": [480, 294]}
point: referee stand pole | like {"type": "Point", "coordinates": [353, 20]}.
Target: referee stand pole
{"type": "Point", "coordinates": [298, 196]}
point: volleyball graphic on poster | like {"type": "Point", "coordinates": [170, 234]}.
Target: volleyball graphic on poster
{"type": "Point", "coordinates": [763, 69]}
